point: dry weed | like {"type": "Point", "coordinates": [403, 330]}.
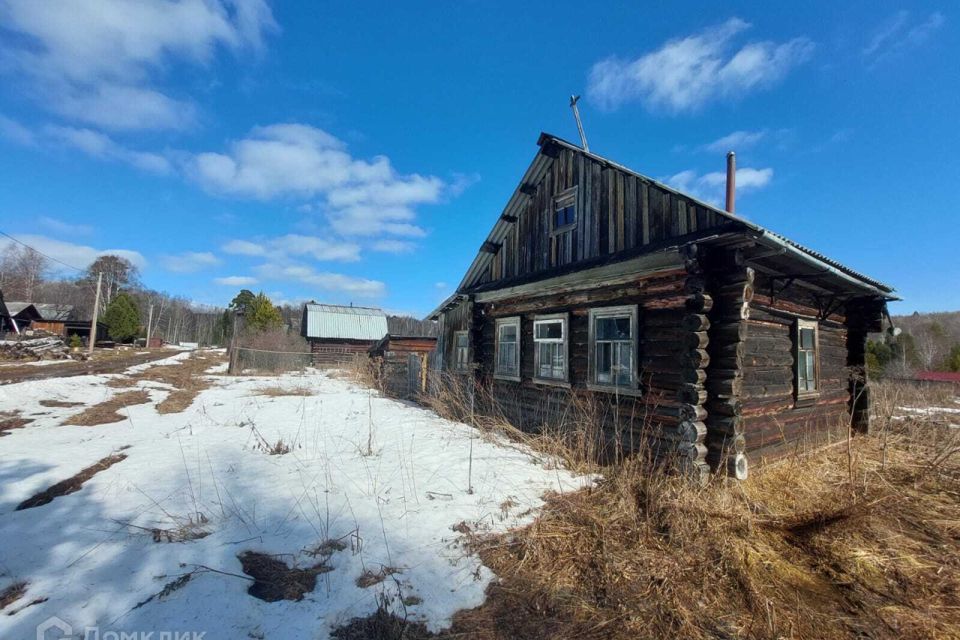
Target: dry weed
{"type": "Point", "coordinates": [61, 404]}
{"type": "Point", "coordinates": [804, 549]}
{"type": "Point", "coordinates": [279, 392]}
{"type": "Point", "coordinates": [12, 593]}
{"type": "Point", "coordinates": [273, 580]}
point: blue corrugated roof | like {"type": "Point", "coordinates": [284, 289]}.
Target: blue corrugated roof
{"type": "Point", "coordinates": [344, 322]}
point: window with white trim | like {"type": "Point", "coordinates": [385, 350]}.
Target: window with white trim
{"type": "Point", "coordinates": [508, 348]}
{"type": "Point", "coordinates": [613, 347]}
{"type": "Point", "coordinates": [461, 350]}
{"type": "Point", "coordinates": [550, 347]}
{"type": "Point", "coordinates": [807, 359]}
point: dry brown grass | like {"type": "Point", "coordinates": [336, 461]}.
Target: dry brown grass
{"type": "Point", "coordinates": [858, 541]}
{"type": "Point", "coordinates": [274, 580]}
{"type": "Point", "coordinates": [11, 594]}
{"type": "Point", "coordinates": [280, 392]}
{"type": "Point", "coordinates": [187, 379]}
{"type": "Point", "coordinates": [106, 412]}
{"type": "Point", "coordinates": [10, 420]}
{"type": "Point", "coordinates": [72, 484]}
{"type": "Point", "coordinates": [60, 404]}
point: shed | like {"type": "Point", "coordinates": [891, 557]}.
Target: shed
{"type": "Point", "coordinates": [700, 337]}
{"type": "Point", "coordinates": [53, 317]}
{"type": "Point", "coordinates": [402, 362]}
{"type": "Point", "coordinates": [338, 333]}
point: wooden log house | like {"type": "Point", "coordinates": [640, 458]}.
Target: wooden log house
{"type": "Point", "coordinates": [706, 338]}
{"type": "Point", "coordinates": [339, 334]}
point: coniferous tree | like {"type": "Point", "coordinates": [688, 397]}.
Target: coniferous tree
{"type": "Point", "coordinates": [122, 318]}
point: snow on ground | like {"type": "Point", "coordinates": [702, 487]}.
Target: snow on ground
{"type": "Point", "coordinates": [387, 479]}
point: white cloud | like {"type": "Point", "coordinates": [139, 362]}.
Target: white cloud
{"type": "Point", "coordinates": [295, 245]}
{"type": "Point", "coordinates": [899, 33]}
{"type": "Point", "coordinates": [322, 280]}
{"type": "Point", "coordinates": [710, 187]}
{"type": "Point", "coordinates": [76, 255]}
{"type": "Point", "coordinates": [236, 281]}
{"type": "Point", "coordinates": [190, 261]}
{"type": "Point", "coordinates": [65, 228]}
{"type": "Point", "coordinates": [16, 132]}
{"type": "Point", "coordinates": [98, 145]}
{"type": "Point", "coordinates": [735, 141]}
{"type": "Point", "coordinates": [243, 248]}
{"type": "Point", "coordinates": [94, 61]}
{"type": "Point", "coordinates": [393, 246]}
{"type": "Point", "coordinates": [686, 73]}
{"type": "Point", "coordinates": [359, 197]}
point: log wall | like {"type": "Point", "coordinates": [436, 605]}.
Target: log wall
{"type": "Point", "coordinates": [665, 417]}
{"type": "Point", "coordinates": [775, 418]}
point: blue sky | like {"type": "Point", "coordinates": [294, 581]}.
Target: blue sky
{"type": "Point", "coordinates": [352, 152]}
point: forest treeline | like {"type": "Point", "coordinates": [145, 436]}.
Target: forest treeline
{"type": "Point", "coordinates": [28, 276]}
{"type": "Point", "coordinates": [926, 342]}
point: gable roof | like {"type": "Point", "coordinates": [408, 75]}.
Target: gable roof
{"type": "Point", "coordinates": [48, 311]}
{"type": "Point", "coordinates": [23, 310]}
{"type": "Point", "coordinates": [777, 243]}
{"type": "Point", "coordinates": [340, 322]}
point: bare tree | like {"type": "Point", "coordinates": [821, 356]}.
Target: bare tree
{"type": "Point", "coordinates": [118, 273]}
{"type": "Point", "coordinates": [22, 270]}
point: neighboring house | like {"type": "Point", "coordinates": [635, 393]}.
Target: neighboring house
{"type": "Point", "coordinates": [24, 314]}
{"type": "Point", "coordinates": [703, 336]}
{"type": "Point", "coordinates": [54, 317]}
{"type": "Point", "coordinates": [947, 377]}
{"type": "Point", "coordinates": [337, 334]}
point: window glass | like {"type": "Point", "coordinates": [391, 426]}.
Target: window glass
{"type": "Point", "coordinates": [508, 351]}
{"type": "Point", "coordinates": [806, 347]}
{"type": "Point", "coordinates": [549, 330]}
{"type": "Point", "coordinates": [614, 344]}
{"type": "Point", "coordinates": [613, 328]}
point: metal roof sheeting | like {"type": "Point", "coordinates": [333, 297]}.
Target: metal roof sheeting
{"type": "Point", "coordinates": [338, 322]}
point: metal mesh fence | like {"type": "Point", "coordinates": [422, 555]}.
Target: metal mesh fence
{"type": "Point", "coordinates": [247, 360]}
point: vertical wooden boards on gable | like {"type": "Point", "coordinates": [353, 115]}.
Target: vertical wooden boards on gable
{"type": "Point", "coordinates": [616, 211]}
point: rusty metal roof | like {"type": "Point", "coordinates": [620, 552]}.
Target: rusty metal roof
{"type": "Point", "coordinates": [340, 322]}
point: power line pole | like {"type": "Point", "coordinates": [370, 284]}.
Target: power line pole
{"type": "Point", "coordinates": [149, 325]}
{"type": "Point", "coordinates": [96, 313]}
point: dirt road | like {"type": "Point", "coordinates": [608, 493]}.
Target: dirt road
{"type": "Point", "coordinates": [23, 373]}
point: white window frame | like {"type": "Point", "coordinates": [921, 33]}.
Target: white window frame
{"type": "Point", "coordinates": [598, 313]}
{"type": "Point", "coordinates": [564, 341]}
{"type": "Point", "coordinates": [513, 321]}
{"type": "Point", "coordinates": [799, 352]}
{"type": "Point", "coordinates": [459, 364]}
{"type": "Point", "coordinates": [563, 200]}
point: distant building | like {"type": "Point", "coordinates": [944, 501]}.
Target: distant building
{"type": "Point", "coordinates": [337, 334]}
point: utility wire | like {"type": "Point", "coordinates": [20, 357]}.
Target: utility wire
{"type": "Point", "coordinates": [3, 233]}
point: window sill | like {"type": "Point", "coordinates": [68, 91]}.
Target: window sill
{"type": "Point", "coordinates": [806, 399]}
{"type": "Point", "coordinates": [563, 384]}
{"type": "Point", "coordinates": [623, 391]}
{"type": "Point", "coordinates": [502, 376]}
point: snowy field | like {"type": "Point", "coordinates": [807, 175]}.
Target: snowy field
{"type": "Point", "coordinates": [374, 490]}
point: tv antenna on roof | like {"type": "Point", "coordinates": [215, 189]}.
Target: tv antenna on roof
{"type": "Point", "coordinates": [576, 114]}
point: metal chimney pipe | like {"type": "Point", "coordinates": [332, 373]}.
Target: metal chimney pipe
{"type": "Point", "coordinates": [731, 181]}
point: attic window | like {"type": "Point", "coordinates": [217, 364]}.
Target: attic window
{"type": "Point", "coordinates": [565, 211]}
{"type": "Point", "coordinates": [807, 358]}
